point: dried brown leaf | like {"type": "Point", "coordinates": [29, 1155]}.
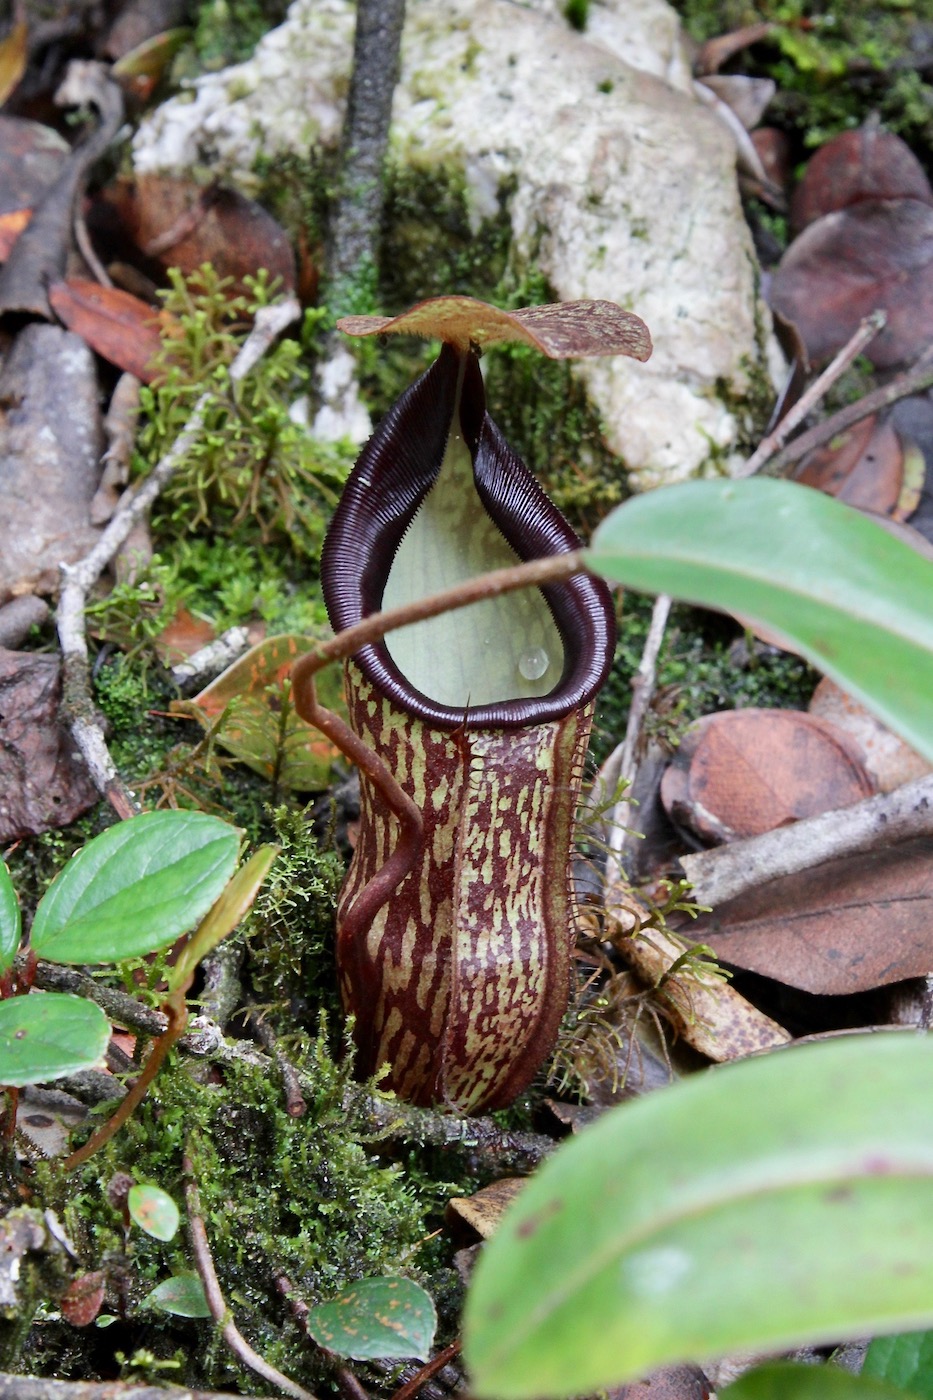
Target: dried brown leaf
{"type": "Point", "coordinates": [863, 466]}
{"type": "Point", "coordinates": [744, 772]}
{"type": "Point", "coordinates": [889, 761]}
{"type": "Point", "coordinates": [844, 926]}
{"type": "Point", "coordinates": [44, 785]}
{"type": "Point", "coordinates": [120, 327]}
{"type": "Point", "coordinates": [877, 254]}
{"type": "Point", "coordinates": [184, 225]}
{"type": "Point", "coordinates": [869, 163]}
{"type": "Point", "coordinates": [485, 1208]}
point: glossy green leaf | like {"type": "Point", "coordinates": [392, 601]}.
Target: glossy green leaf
{"type": "Point", "coordinates": [182, 1295]}
{"type": "Point", "coordinates": [135, 888]}
{"type": "Point", "coordinates": [376, 1318]}
{"type": "Point", "coordinates": [759, 1205]}
{"type": "Point", "coordinates": [153, 1210]}
{"type": "Point", "coordinates": [785, 1381]}
{"type": "Point", "coordinates": [48, 1034]}
{"type": "Point", "coordinates": [850, 597]}
{"type": "Point", "coordinates": [10, 922]}
{"type": "Point", "coordinates": [904, 1360]}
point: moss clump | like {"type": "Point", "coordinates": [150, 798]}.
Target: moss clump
{"type": "Point", "coordinates": [250, 464]}
{"type": "Point", "coordinates": [302, 1198]}
{"type": "Point", "coordinates": [227, 31]}
{"type": "Point", "coordinates": [289, 931]}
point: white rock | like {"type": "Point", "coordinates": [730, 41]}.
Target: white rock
{"type": "Point", "coordinates": [616, 182]}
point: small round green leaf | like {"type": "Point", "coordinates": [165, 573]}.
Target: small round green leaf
{"type": "Point", "coordinates": [153, 1211]}
{"type": "Point", "coordinates": [48, 1034]}
{"type": "Point", "coordinates": [135, 888]}
{"type": "Point", "coordinates": [182, 1295]}
{"type": "Point", "coordinates": [10, 924]}
{"type": "Point", "coordinates": [376, 1318]}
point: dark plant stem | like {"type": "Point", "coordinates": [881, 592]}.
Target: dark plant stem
{"type": "Point", "coordinates": [356, 218]}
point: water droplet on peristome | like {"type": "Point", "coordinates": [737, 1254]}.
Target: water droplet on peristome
{"type": "Point", "coordinates": [533, 663]}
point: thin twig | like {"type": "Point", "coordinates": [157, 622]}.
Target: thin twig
{"type": "Point", "coordinates": [856, 343]}
{"type": "Point", "coordinates": [204, 1262]}
{"type": "Point", "coordinates": [78, 579]}
{"type": "Point", "coordinates": [728, 871]}
{"type": "Point", "coordinates": [356, 217]}
{"type": "Point", "coordinates": [427, 1371]}
{"type": "Point", "coordinates": [643, 684]}
{"type": "Point", "coordinates": [915, 380]}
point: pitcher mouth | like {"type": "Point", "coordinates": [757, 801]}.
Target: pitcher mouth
{"type": "Point", "coordinates": [394, 473]}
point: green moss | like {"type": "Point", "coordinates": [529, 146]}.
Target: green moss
{"type": "Point", "coordinates": [289, 931]}
{"type": "Point", "coordinates": [302, 1198]}
{"type": "Point", "coordinates": [227, 31]}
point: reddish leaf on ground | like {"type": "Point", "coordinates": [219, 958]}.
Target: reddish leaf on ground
{"type": "Point", "coordinates": [865, 467]}
{"type": "Point", "coordinates": [183, 636]}
{"type": "Point", "coordinates": [44, 784]}
{"type": "Point", "coordinates": [874, 254]}
{"type": "Point", "coordinates": [120, 327]}
{"type": "Point", "coordinates": [889, 761]}
{"type": "Point", "coordinates": [774, 152]}
{"type": "Point", "coordinates": [845, 926]}
{"type": "Point", "coordinates": [83, 1298]}
{"type": "Point", "coordinates": [743, 772]}
{"type": "Point", "coordinates": [868, 163]}
{"type": "Point", "coordinates": [183, 225]}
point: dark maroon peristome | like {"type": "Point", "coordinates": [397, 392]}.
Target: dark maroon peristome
{"type": "Point", "coordinates": [393, 474]}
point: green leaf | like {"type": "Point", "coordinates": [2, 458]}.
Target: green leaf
{"type": "Point", "coordinates": [850, 597]}
{"type": "Point", "coordinates": [905, 1361]}
{"type": "Point", "coordinates": [376, 1318]}
{"type": "Point", "coordinates": [761, 1205]}
{"type": "Point", "coordinates": [785, 1381]}
{"type": "Point", "coordinates": [153, 1211]}
{"type": "Point", "coordinates": [181, 1295]}
{"type": "Point", "coordinates": [135, 888]}
{"type": "Point", "coordinates": [48, 1034]}
{"type": "Point", "coordinates": [10, 923]}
